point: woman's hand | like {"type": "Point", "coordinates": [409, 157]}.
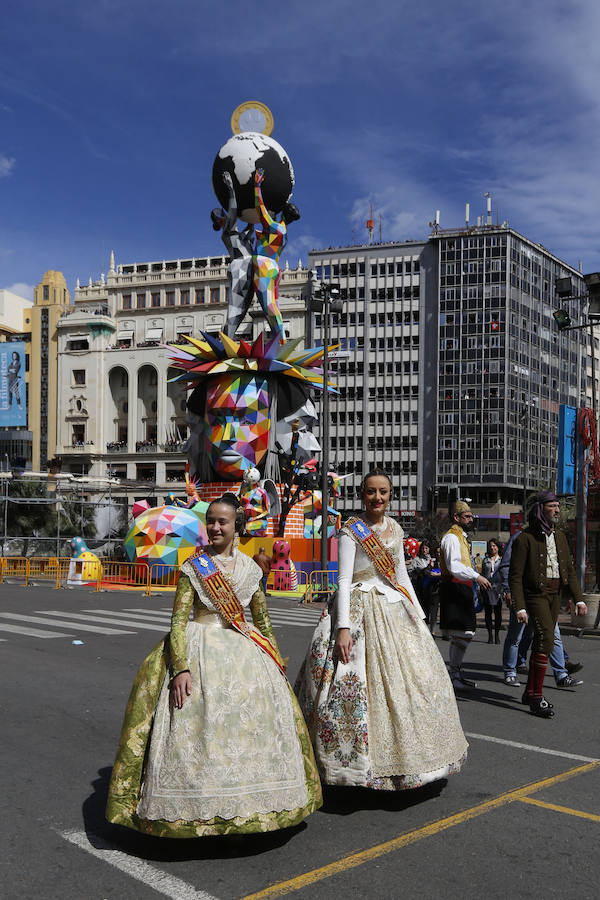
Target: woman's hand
{"type": "Point", "coordinates": [181, 688]}
{"type": "Point", "coordinates": [522, 616]}
{"type": "Point", "coordinates": [343, 645]}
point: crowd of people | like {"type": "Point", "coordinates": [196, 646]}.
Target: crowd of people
{"type": "Point", "coordinates": [216, 741]}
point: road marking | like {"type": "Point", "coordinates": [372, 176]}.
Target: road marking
{"type": "Point", "coordinates": [38, 620]}
{"type": "Point", "coordinates": [403, 840]}
{"type": "Point", "coordinates": [140, 617]}
{"type": "Point", "coordinates": [161, 882]}
{"type": "Point", "coordinates": [150, 612]}
{"type": "Point", "coordinates": [32, 632]}
{"type": "Point", "coordinates": [562, 809]}
{"type": "Point", "coordinates": [532, 747]}
{"type": "Point", "coordinates": [110, 620]}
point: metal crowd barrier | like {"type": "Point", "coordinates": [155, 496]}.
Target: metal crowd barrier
{"type": "Point", "coordinates": [320, 585]}
{"type": "Point", "coordinates": [126, 575]}
{"type": "Point", "coordinates": [161, 578]}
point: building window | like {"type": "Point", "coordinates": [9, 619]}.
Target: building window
{"type": "Point", "coordinates": [214, 295]}
{"type": "Point", "coordinates": [80, 344]}
{"type": "Point", "coordinates": [46, 292]}
{"type": "Point", "coordinates": [126, 301]}
{"type": "Point", "coordinates": [199, 295]}
{"type": "Point", "coordinates": [141, 301]}
{"type": "Point", "coordinates": [155, 299]}
{"type": "Point", "coordinates": [78, 376]}
{"type": "Point", "coordinates": [78, 436]}
{"type": "Point", "coordinates": [185, 298]}
{"type": "Point", "coordinates": [170, 298]}
{"type": "Point", "coordinates": [153, 377]}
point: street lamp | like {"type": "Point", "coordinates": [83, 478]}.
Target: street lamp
{"type": "Point", "coordinates": [326, 299]}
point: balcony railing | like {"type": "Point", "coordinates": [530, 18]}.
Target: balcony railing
{"type": "Point", "coordinates": [117, 447]}
{"type": "Point", "coordinates": [146, 447]}
{"type": "Point", "coordinates": [173, 446]}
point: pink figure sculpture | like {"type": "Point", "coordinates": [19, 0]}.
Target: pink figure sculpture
{"type": "Point", "coordinates": [284, 571]}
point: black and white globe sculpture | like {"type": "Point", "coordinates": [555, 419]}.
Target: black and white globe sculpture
{"type": "Point", "coordinates": [241, 156]}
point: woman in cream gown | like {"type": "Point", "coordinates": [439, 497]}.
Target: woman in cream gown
{"type": "Point", "coordinates": [213, 740]}
{"type": "Point", "coordinates": [374, 689]}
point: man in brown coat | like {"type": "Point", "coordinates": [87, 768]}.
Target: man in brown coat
{"type": "Point", "coordinates": [540, 567]}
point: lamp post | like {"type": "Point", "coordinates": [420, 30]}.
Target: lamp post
{"type": "Point", "coordinates": [325, 299]}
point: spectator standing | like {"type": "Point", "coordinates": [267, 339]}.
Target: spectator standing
{"type": "Point", "coordinates": [492, 599]}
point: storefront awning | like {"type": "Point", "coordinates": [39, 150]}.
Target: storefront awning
{"type": "Point", "coordinates": [124, 335]}
{"type": "Point", "coordinates": [154, 334]}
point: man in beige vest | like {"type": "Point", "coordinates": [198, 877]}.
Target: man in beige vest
{"type": "Point", "coordinates": [457, 600]}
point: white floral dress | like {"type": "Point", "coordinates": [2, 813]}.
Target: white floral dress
{"type": "Point", "coordinates": [388, 719]}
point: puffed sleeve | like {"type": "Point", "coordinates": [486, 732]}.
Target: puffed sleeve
{"type": "Point", "coordinates": [262, 621]}
{"type": "Point", "coordinates": [346, 555]}
{"type": "Point", "coordinates": [184, 598]}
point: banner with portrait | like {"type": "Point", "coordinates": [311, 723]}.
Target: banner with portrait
{"type": "Point", "coordinates": [13, 406]}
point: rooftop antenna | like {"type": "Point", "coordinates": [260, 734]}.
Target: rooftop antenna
{"type": "Point", "coordinates": [380, 228]}
{"type": "Point", "coordinates": [467, 211]}
{"type": "Point", "coordinates": [488, 220]}
{"type": "Point", "coordinates": [353, 233]}
{"type": "Point", "coordinates": [370, 225]}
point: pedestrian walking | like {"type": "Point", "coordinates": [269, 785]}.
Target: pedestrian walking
{"type": "Point", "coordinates": [373, 687]}
{"type": "Point", "coordinates": [213, 740]}
{"type": "Point", "coordinates": [457, 601]}
{"type": "Point", "coordinates": [540, 568]}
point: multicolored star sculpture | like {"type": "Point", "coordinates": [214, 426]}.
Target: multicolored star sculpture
{"type": "Point", "coordinates": [200, 359]}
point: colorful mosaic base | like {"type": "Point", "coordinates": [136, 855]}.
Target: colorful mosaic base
{"type": "Point", "coordinates": [237, 415]}
{"type": "Point", "coordinates": [166, 534]}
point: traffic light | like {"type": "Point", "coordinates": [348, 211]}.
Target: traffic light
{"type": "Point", "coordinates": [562, 319]}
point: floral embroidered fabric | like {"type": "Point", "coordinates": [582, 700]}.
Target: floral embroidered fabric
{"type": "Point", "coordinates": [388, 719]}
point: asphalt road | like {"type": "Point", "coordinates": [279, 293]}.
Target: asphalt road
{"type": "Point", "coordinates": [521, 820]}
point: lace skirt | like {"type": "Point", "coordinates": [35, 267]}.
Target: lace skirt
{"type": "Point", "coordinates": [232, 752]}
{"type": "Point", "coordinates": [388, 719]}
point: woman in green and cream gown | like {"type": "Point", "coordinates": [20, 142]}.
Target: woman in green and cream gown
{"type": "Point", "coordinates": [213, 740]}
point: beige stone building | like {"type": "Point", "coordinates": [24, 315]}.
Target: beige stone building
{"type": "Point", "coordinates": [51, 298]}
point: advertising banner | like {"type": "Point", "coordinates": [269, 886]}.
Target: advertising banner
{"type": "Point", "coordinates": [12, 384]}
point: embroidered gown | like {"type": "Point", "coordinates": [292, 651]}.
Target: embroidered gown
{"type": "Point", "coordinates": [237, 757]}
{"type": "Point", "coordinates": [388, 719]}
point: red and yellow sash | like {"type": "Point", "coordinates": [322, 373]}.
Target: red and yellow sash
{"type": "Point", "coordinates": [223, 598]}
{"type": "Point", "coordinates": [379, 556]}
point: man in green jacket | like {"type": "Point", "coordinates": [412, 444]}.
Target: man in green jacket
{"type": "Point", "coordinates": [540, 568]}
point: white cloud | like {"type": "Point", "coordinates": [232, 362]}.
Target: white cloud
{"type": "Point", "coordinates": [21, 289]}
{"type": "Point", "coordinates": [7, 164]}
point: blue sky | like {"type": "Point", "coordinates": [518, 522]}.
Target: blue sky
{"type": "Point", "coordinates": [111, 114]}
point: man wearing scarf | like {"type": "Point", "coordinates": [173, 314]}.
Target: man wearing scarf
{"type": "Point", "coordinates": [540, 567]}
{"type": "Point", "coordinates": [457, 601]}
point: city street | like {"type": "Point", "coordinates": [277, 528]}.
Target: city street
{"type": "Point", "coordinates": [521, 820]}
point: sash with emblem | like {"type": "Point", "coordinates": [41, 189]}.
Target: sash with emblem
{"type": "Point", "coordinates": [379, 556]}
{"type": "Point", "coordinates": [224, 599]}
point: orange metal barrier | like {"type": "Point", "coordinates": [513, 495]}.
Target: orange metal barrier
{"type": "Point", "coordinates": [43, 568]}
{"type": "Point", "coordinates": [127, 576]}
{"type": "Point", "coordinates": [161, 578]}
{"type": "Point", "coordinates": [14, 567]}
{"type": "Point", "coordinates": [320, 582]}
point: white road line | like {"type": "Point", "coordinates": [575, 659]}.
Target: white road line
{"type": "Point", "coordinates": [127, 615]}
{"type": "Point", "coordinates": [161, 882]}
{"type": "Point", "coordinates": [149, 612]}
{"type": "Point", "coordinates": [32, 632]}
{"type": "Point", "coordinates": [147, 626]}
{"type": "Point", "coordinates": [532, 747]}
{"type": "Point", "coordinates": [39, 621]}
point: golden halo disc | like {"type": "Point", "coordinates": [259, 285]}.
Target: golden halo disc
{"type": "Point", "coordinates": [252, 116]}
